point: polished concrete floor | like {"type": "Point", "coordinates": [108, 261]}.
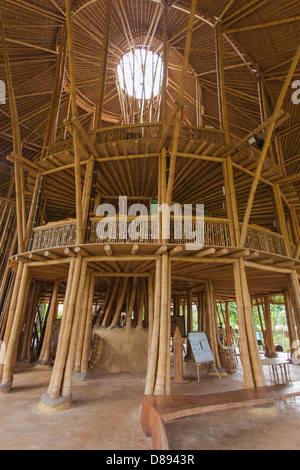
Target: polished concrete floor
{"type": "Point", "coordinates": [105, 415]}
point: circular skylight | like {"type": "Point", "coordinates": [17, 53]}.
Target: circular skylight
{"type": "Point", "coordinates": [140, 73]}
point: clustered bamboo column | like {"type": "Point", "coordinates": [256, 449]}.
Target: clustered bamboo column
{"type": "Point", "coordinates": [253, 371]}
{"type": "Point", "coordinates": [129, 296]}
{"type": "Point", "coordinates": [74, 338]}
{"type": "Point", "coordinates": [158, 373]}
{"type": "Point", "coordinates": [209, 321]}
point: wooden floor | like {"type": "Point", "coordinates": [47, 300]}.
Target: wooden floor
{"type": "Point", "coordinates": [158, 410]}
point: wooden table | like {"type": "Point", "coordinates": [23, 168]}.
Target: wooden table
{"type": "Point", "coordinates": [279, 370]}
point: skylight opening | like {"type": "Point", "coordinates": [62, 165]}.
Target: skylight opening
{"type": "Point", "coordinates": [140, 73]}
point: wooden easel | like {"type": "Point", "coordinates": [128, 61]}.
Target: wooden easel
{"type": "Point", "coordinates": [198, 364]}
{"type": "Point", "coordinates": [201, 351]}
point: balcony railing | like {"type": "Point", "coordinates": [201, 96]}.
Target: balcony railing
{"type": "Point", "coordinates": [145, 131]}
{"type": "Point", "coordinates": [215, 232]}
{"type": "Point", "coordinates": [54, 235]}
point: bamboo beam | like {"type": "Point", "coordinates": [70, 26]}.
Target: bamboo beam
{"type": "Point", "coordinates": [178, 122]}
{"type": "Point", "coordinates": [221, 86]}
{"type": "Point", "coordinates": [281, 219]}
{"type": "Point", "coordinates": [78, 186]}
{"type": "Point", "coordinates": [265, 148]}
{"type": "Point", "coordinates": [16, 139]}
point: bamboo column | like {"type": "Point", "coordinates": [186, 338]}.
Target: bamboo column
{"type": "Point", "coordinates": [82, 324]}
{"type": "Point", "coordinates": [290, 323]}
{"type": "Point", "coordinates": [27, 321]}
{"type": "Point", "coordinates": [66, 390]}
{"type": "Point", "coordinates": [269, 342]}
{"type": "Point", "coordinates": [189, 321]}
{"type": "Point", "coordinates": [150, 310]}
{"type": "Point", "coordinates": [116, 318]}
{"type": "Point", "coordinates": [87, 331]}
{"type": "Point", "coordinates": [12, 309]}
{"type": "Point", "coordinates": [33, 315]}
{"type": "Point", "coordinates": [211, 322]}
{"type": "Point", "coordinates": [131, 303]}
{"type": "Point", "coordinates": [295, 297]}
{"type": "Point", "coordinates": [112, 300]}
{"type": "Point", "coordinates": [12, 345]}
{"type": "Point", "coordinates": [54, 389]}
{"type": "Point", "coordinates": [164, 339]}
{"type": "Point", "coordinates": [249, 353]}
{"type": "Point", "coordinates": [153, 353]}
{"type": "Point", "coordinates": [45, 351]}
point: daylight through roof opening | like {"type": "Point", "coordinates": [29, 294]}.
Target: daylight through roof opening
{"type": "Point", "coordinates": [139, 76]}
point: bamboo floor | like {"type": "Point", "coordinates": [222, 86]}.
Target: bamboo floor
{"type": "Point", "coordinates": [105, 415]}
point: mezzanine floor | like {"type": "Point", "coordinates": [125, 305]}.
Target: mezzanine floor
{"type": "Point", "coordinates": [105, 415]}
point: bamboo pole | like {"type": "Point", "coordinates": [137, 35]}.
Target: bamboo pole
{"type": "Point", "coordinates": [54, 389]}
{"type": "Point", "coordinates": [269, 343]}
{"type": "Point", "coordinates": [131, 303]}
{"type": "Point", "coordinates": [221, 85]}
{"type": "Point", "coordinates": [12, 345]}
{"type": "Point", "coordinates": [179, 115]}
{"type": "Point", "coordinates": [87, 332]}
{"type": "Point", "coordinates": [295, 296]}
{"type": "Point", "coordinates": [153, 354]}
{"type": "Point", "coordinates": [244, 350]}
{"type": "Point", "coordinates": [163, 331]}
{"type": "Point", "coordinates": [74, 325]}
{"type": "Point", "coordinates": [281, 219]}
{"type": "Point", "coordinates": [78, 186]}
{"type": "Point", "coordinates": [290, 322]}
{"type": "Point", "coordinates": [107, 315]}
{"type": "Point", "coordinates": [45, 352]}
{"type": "Point", "coordinates": [150, 310]}
{"type": "Point", "coordinates": [263, 154]}
{"type": "Point", "coordinates": [30, 326]}
{"type": "Point", "coordinates": [16, 138]}
{"type": "Point", "coordinates": [82, 325]}
{"type": "Point", "coordinates": [116, 318]}
{"type": "Point", "coordinates": [12, 308]}
{"type": "Point", "coordinates": [257, 369]}
{"type": "Point", "coordinates": [165, 60]}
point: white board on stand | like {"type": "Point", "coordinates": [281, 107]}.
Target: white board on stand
{"type": "Point", "coordinates": [200, 347]}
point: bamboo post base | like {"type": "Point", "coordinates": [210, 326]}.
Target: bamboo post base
{"type": "Point", "coordinates": [80, 376]}
{"type": "Point", "coordinates": [5, 388]}
{"type": "Point", "coordinates": [52, 405]}
{"type": "Point", "coordinates": [43, 364]}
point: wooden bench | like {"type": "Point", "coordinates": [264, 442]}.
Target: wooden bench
{"type": "Point", "coordinates": [159, 410]}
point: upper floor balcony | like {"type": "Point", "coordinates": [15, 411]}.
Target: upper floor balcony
{"type": "Point", "coordinates": [214, 232]}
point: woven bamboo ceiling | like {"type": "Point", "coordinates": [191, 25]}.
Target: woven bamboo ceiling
{"type": "Point", "coordinates": [260, 38]}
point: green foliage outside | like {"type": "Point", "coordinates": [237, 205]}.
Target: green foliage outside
{"type": "Point", "coordinates": [278, 318]}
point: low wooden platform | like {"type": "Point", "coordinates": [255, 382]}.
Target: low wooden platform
{"type": "Point", "coordinates": [159, 410]}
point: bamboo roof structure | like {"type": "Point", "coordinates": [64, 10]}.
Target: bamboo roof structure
{"type": "Point", "coordinates": [259, 42]}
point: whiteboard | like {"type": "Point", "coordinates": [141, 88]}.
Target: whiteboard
{"type": "Point", "coordinates": [200, 347]}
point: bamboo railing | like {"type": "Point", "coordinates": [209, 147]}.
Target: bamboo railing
{"type": "Point", "coordinates": [54, 235]}
{"type": "Point", "coordinates": [264, 240]}
{"type": "Point", "coordinates": [145, 131]}
{"type": "Point", "coordinates": [216, 233]}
